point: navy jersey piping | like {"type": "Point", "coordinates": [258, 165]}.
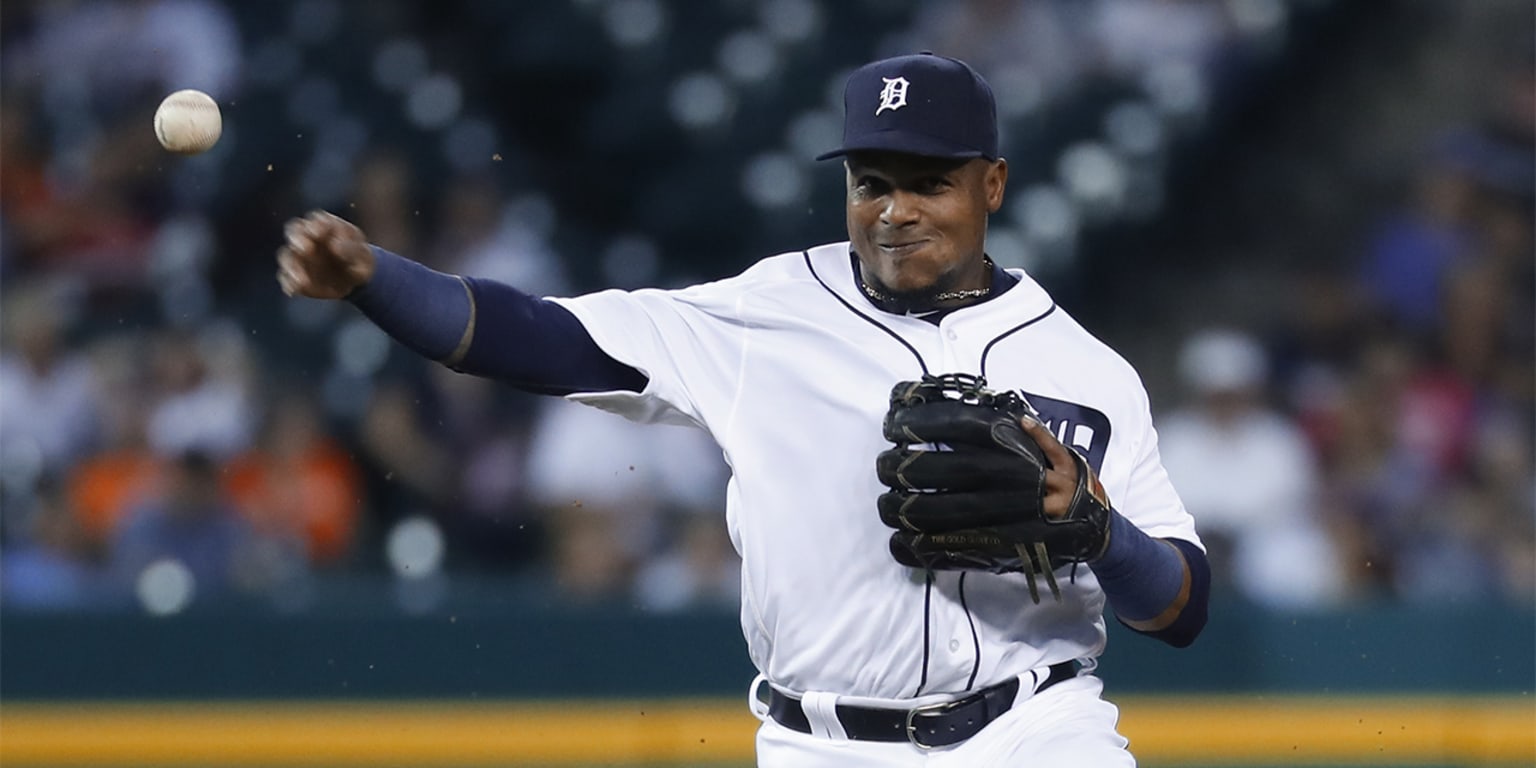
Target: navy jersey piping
{"type": "Point", "coordinates": [867, 318]}
{"type": "Point", "coordinates": [928, 581]}
{"type": "Point", "coordinates": [928, 586]}
{"type": "Point", "coordinates": [975, 638]}
{"type": "Point", "coordinates": [987, 350]}
{"type": "Point", "coordinates": [927, 643]}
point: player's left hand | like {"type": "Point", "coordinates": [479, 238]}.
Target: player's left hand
{"type": "Point", "coordinates": [1063, 466]}
{"type": "Point", "coordinates": [977, 482]}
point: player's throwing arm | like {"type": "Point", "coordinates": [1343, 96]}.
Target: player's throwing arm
{"type": "Point", "coordinates": [323, 257]}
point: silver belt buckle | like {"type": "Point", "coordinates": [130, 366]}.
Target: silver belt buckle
{"type": "Point", "coordinates": [923, 710]}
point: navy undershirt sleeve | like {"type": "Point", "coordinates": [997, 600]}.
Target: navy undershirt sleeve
{"type": "Point", "coordinates": [1143, 576]}
{"type": "Point", "coordinates": [423, 309]}
{"type": "Point", "coordinates": [539, 346]}
{"type": "Point", "coordinates": [1191, 620]}
{"type": "Point", "coordinates": [492, 329]}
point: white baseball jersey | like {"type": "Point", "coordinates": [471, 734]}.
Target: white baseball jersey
{"type": "Point", "coordinates": [790, 368]}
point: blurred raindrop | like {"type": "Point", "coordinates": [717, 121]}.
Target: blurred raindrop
{"type": "Point", "coordinates": [1008, 248]}
{"type": "Point", "coordinates": [21, 461]}
{"type": "Point", "coordinates": [309, 314]}
{"type": "Point", "coordinates": [275, 62]}
{"type": "Point", "coordinates": [747, 57]}
{"type": "Point", "coordinates": [346, 396]}
{"type": "Point", "coordinates": [1177, 90]}
{"type": "Point", "coordinates": [791, 21]}
{"type": "Point", "coordinates": [399, 63]}
{"type": "Point", "coordinates": [434, 102]}
{"type": "Point", "coordinates": [1134, 128]}
{"type": "Point", "coordinates": [415, 548]}
{"type": "Point", "coordinates": [814, 132]}
{"type": "Point", "coordinates": [532, 212]}
{"type": "Point", "coordinates": [774, 180]}
{"type": "Point", "coordinates": [1093, 176]}
{"type": "Point", "coordinates": [700, 100]}
{"type": "Point", "coordinates": [360, 348]}
{"type": "Point", "coordinates": [327, 179]}
{"type": "Point", "coordinates": [470, 145]}
{"type": "Point", "coordinates": [165, 587]}
{"type": "Point", "coordinates": [314, 21]}
{"type": "Point", "coordinates": [634, 23]}
{"type": "Point", "coordinates": [631, 261]}
{"type": "Point", "coordinates": [313, 101]}
{"type": "Point", "coordinates": [1019, 92]}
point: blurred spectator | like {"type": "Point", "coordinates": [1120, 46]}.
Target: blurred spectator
{"type": "Point", "coordinates": [194, 526]}
{"type": "Point", "coordinates": [701, 568]}
{"type": "Point", "coordinates": [1420, 417]}
{"type": "Point", "coordinates": [1245, 472]}
{"type": "Point", "coordinates": [1487, 334]}
{"type": "Point", "coordinates": [1034, 44]}
{"type": "Point", "coordinates": [1412, 250]}
{"type": "Point", "coordinates": [109, 52]}
{"type": "Point", "coordinates": [607, 486]}
{"type": "Point", "coordinates": [88, 217]}
{"type": "Point", "coordinates": [124, 470]}
{"type": "Point", "coordinates": [412, 463]}
{"type": "Point", "coordinates": [86, 203]}
{"type": "Point", "coordinates": [1422, 524]}
{"type": "Point", "coordinates": [202, 387]}
{"type": "Point", "coordinates": [297, 484]}
{"type": "Point", "coordinates": [490, 237]}
{"type": "Point", "coordinates": [1132, 37]}
{"type": "Point", "coordinates": [381, 200]}
{"type": "Point", "coordinates": [58, 566]}
{"type": "Point", "coordinates": [27, 199]}
{"type": "Point", "coordinates": [1371, 478]}
{"type": "Point", "coordinates": [47, 393]}
{"type": "Point", "coordinates": [485, 426]}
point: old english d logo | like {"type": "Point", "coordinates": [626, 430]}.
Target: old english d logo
{"type": "Point", "coordinates": [894, 95]}
{"type": "Point", "coordinates": [1079, 426]}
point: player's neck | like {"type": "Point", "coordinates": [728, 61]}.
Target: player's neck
{"type": "Point", "coordinates": [923, 302]}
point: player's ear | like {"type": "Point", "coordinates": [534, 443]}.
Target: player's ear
{"type": "Point", "coordinates": [995, 181]}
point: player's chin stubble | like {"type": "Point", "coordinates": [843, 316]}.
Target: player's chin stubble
{"type": "Point", "coordinates": [916, 298]}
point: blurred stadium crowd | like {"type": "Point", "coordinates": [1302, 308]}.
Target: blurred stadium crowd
{"type": "Point", "coordinates": [172, 430]}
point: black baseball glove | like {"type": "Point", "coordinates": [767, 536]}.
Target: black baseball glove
{"type": "Point", "coordinates": [968, 485]}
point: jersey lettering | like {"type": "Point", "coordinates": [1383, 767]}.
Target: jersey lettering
{"type": "Point", "coordinates": [1083, 428]}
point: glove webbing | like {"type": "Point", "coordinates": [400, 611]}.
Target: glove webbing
{"type": "Point", "coordinates": [1039, 561]}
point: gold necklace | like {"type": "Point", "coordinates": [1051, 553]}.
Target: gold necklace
{"type": "Point", "coordinates": [968, 293]}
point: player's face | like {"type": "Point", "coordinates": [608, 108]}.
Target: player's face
{"type": "Point", "coordinates": [919, 224]}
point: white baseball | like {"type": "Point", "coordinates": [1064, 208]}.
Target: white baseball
{"type": "Point", "coordinates": [188, 122]}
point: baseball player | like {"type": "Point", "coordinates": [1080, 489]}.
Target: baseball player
{"type": "Point", "coordinates": [939, 479]}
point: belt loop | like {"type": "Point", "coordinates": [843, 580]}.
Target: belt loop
{"type": "Point", "coordinates": [757, 697]}
{"type": "Point", "coordinates": [821, 712]}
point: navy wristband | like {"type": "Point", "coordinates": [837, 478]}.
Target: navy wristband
{"type": "Point", "coordinates": [1144, 578]}
{"type": "Point", "coordinates": [426, 310]}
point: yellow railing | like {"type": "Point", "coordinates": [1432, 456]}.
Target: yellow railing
{"type": "Point", "coordinates": [1164, 730]}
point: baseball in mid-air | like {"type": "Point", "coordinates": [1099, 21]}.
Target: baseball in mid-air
{"type": "Point", "coordinates": [188, 122]}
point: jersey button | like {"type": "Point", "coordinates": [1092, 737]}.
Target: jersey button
{"type": "Point", "coordinates": [954, 646]}
{"type": "Point", "coordinates": [951, 335]}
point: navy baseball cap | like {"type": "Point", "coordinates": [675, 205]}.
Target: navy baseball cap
{"type": "Point", "coordinates": [920, 104]}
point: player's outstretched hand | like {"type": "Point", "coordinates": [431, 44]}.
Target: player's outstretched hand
{"type": "Point", "coordinates": [1061, 477]}
{"type": "Point", "coordinates": [324, 257]}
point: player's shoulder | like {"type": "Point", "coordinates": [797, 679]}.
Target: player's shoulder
{"type": "Point", "coordinates": [790, 270]}
{"type": "Point", "coordinates": [797, 265]}
{"type": "Point", "coordinates": [1085, 351]}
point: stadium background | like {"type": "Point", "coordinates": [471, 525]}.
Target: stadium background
{"type": "Point", "coordinates": [1316, 213]}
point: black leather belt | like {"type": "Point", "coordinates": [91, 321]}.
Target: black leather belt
{"type": "Point", "coordinates": [935, 725]}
